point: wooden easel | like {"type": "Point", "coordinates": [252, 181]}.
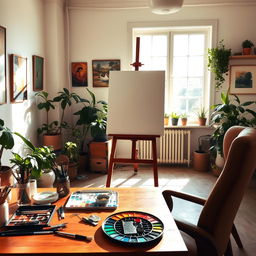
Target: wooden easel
{"type": "Point", "coordinates": [133, 159]}
{"type": "Point", "coordinates": [134, 138]}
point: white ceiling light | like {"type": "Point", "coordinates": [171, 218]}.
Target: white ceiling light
{"type": "Point", "coordinates": [165, 6]}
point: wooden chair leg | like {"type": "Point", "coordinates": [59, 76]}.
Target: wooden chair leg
{"type": "Point", "coordinates": [111, 163]}
{"type": "Point", "coordinates": [228, 251]}
{"type": "Point", "coordinates": [155, 162]}
{"type": "Point", "coordinates": [236, 236]}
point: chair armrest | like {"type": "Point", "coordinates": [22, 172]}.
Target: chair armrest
{"type": "Point", "coordinates": [203, 239]}
{"type": "Point", "coordinates": [189, 197]}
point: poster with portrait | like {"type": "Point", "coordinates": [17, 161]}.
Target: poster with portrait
{"type": "Point", "coordinates": [79, 74]}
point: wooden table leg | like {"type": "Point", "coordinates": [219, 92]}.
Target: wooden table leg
{"type": "Point", "coordinates": [155, 162]}
{"type": "Point", "coordinates": [111, 162]}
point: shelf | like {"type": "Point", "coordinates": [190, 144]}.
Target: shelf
{"type": "Point", "coordinates": [242, 57]}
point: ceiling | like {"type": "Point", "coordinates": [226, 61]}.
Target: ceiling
{"type": "Point", "coordinates": [131, 4]}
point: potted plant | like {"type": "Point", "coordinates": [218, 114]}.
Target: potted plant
{"type": "Point", "coordinates": [201, 157]}
{"type": "Point", "coordinates": [52, 130]}
{"type": "Point", "coordinates": [166, 119]}
{"type": "Point", "coordinates": [175, 118]}
{"type": "Point", "coordinates": [184, 119]}
{"type": "Point", "coordinates": [202, 113]}
{"type": "Point", "coordinates": [71, 151]}
{"type": "Point", "coordinates": [227, 114]}
{"type": "Point", "coordinates": [247, 45]}
{"type": "Point", "coordinates": [6, 142]}
{"type": "Point", "coordinates": [31, 166]}
{"type": "Point", "coordinates": [218, 63]}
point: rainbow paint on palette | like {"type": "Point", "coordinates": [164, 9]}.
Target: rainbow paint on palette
{"type": "Point", "coordinates": [133, 227]}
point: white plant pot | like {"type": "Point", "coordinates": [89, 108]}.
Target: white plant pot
{"type": "Point", "coordinates": [46, 180]}
{"type": "Point", "coordinates": [219, 161]}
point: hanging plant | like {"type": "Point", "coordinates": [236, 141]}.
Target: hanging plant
{"type": "Point", "coordinates": [218, 63]}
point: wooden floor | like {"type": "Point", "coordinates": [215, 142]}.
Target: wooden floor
{"type": "Point", "coordinates": [186, 180]}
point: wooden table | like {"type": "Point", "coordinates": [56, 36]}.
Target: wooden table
{"type": "Point", "coordinates": [149, 200]}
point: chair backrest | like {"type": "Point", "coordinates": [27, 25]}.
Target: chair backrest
{"type": "Point", "coordinates": [219, 211]}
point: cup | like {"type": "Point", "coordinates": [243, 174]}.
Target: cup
{"type": "Point", "coordinates": [4, 213]}
{"type": "Point", "coordinates": [32, 188]}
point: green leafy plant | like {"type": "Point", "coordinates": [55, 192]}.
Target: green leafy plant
{"type": "Point", "coordinates": [92, 114]}
{"type": "Point", "coordinates": [227, 114]}
{"type": "Point", "coordinates": [65, 99]}
{"type": "Point", "coordinates": [218, 63]}
{"type": "Point", "coordinates": [166, 115]}
{"type": "Point", "coordinates": [71, 150]}
{"type": "Point", "coordinates": [202, 113]}
{"type": "Point", "coordinates": [6, 140]}
{"type": "Point", "coordinates": [247, 44]}
{"type": "Point", "coordinates": [34, 161]}
{"type": "Point", "coordinates": [183, 115]}
{"type": "Point", "coordinates": [175, 115]}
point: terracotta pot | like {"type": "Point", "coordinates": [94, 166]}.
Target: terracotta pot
{"type": "Point", "coordinates": [72, 170]}
{"type": "Point", "coordinates": [184, 121]}
{"type": "Point", "coordinates": [201, 161]}
{"type": "Point", "coordinates": [166, 121]}
{"type": "Point", "coordinates": [246, 51]}
{"type": "Point", "coordinates": [6, 176]}
{"type": "Point", "coordinates": [52, 140]}
{"type": "Point", "coordinates": [202, 121]}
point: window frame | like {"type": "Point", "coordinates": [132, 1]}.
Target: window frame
{"type": "Point", "coordinates": [208, 27]}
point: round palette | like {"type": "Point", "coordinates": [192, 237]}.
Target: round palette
{"type": "Point", "coordinates": [133, 227]}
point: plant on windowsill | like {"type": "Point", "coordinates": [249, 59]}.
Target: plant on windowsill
{"type": "Point", "coordinates": [247, 46]}
{"type": "Point", "coordinates": [184, 119]}
{"type": "Point", "coordinates": [175, 118]}
{"type": "Point", "coordinates": [166, 119]}
{"type": "Point", "coordinates": [202, 113]}
{"type": "Point", "coordinates": [227, 114]}
{"type": "Point", "coordinates": [218, 63]}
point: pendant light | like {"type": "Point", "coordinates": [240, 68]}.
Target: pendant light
{"type": "Point", "coordinates": [165, 6]}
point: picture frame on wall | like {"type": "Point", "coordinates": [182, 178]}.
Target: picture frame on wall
{"type": "Point", "coordinates": [100, 71]}
{"type": "Point", "coordinates": [38, 73]}
{"type": "Point", "coordinates": [79, 74]}
{"type": "Point", "coordinates": [2, 65]}
{"type": "Point", "coordinates": [18, 78]}
{"type": "Point", "coordinates": [242, 79]}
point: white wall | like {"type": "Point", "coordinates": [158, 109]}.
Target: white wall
{"type": "Point", "coordinates": [24, 23]}
{"type": "Point", "coordinates": [102, 34]}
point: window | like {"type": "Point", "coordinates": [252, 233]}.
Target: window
{"type": "Point", "coordinates": [182, 54]}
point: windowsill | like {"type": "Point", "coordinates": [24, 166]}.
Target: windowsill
{"type": "Point", "coordinates": [190, 126]}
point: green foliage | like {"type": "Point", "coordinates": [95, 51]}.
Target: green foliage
{"type": "Point", "coordinates": [247, 44]}
{"type": "Point", "coordinates": [183, 115]}
{"type": "Point", "coordinates": [218, 63]}
{"type": "Point", "coordinates": [6, 139]}
{"type": "Point", "coordinates": [65, 99]}
{"type": "Point", "coordinates": [166, 115]}
{"type": "Point", "coordinates": [71, 150]}
{"type": "Point", "coordinates": [175, 115]}
{"type": "Point", "coordinates": [93, 114]}
{"type": "Point", "coordinates": [228, 114]}
{"type": "Point", "coordinates": [202, 113]}
{"type": "Point", "coordinates": [32, 164]}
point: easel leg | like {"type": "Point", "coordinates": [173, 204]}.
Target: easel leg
{"type": "Point", "coordinates": [155, 162]}
{"type": "Point", "coordinates": [134, 155]}
{"type": "Point", "coordinates": [111, 162]}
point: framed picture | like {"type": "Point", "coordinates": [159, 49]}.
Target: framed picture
{"type": "Point", "coordinates": [38, 73]}
{"type": "Point", "coordinates": [79, 74]}
{"type": "Point", "coordinates": [18, 78]}
{"type": "Point", "coordinates": [2, 65]}
{"type": "Point", "coordinates": [242, 79]}
{"type": "Point", "coordinates": [100, 71]}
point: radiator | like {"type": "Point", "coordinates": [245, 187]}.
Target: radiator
{"type": "Point", "coordinates": [174, 147]}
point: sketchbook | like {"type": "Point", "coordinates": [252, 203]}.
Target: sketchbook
{"type": "Point", "coordinates": [93, 200]}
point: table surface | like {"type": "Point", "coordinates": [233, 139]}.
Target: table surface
{"type": "Point", "coordinates": [148, 200]}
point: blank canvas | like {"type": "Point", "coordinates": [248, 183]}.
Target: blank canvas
{"type": "Point", "coordinates": [136, 103]}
